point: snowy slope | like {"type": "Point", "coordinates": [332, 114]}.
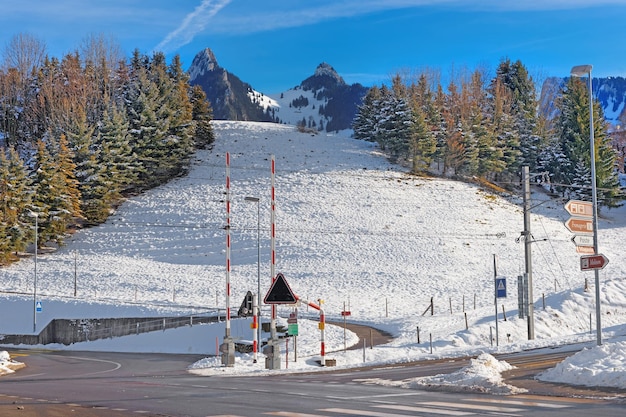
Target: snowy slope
{"type": "Point", "coordinates": [351, 228]}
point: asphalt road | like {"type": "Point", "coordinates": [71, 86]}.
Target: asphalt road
{"type": "Point", "coordinates": [90, 384]}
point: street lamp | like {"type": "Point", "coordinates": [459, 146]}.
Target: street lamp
{"type": "Point", "coordinates": [258, 263]}
{"type": "Point", "coordinates": [581, 71]}
{"type": "Point", "coordinates": [36, 216]}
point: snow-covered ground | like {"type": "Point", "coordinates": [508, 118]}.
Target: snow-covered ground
{"type": "Point", "coordinates": [352, 230]}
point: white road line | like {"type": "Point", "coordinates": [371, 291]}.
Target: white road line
{"type": "Point", "coordinates": [363, 413]}
{"type": "Point", "coordinates": [116, 366]}
{"type": "Point", "coordinates": [529, 403]}
{"type": "Point", "coordinates": [473, 406]}
{"type": "Point", "coordinates": [290, 414]}
{"type": "Point", "coordinates": [426, 410]}
{"type": "Point", "coordinates": [375, 396]}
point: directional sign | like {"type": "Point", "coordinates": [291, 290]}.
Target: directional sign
{"type": "Point", "coordinates": [585, 250]}
{"type": "Point", "coordinates": [579, 208]}
{"type": "Point", "coordinates": [581, 226]}
{"type": "Point", "coordinates": [583, 240]}
{"type": "Point", "coordinates": [500, 287]}
{"type": "Point", "coordinates": [279, 292]}
{"type": "Point", "coordinates": [591, 262]}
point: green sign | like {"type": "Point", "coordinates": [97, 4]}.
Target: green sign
{"type": "Point", "coordinates": [292, 329]}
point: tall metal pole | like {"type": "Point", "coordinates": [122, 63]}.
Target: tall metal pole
{"type": "Point", "coordinates": [75, 270]}
{"type": "Point", "coordinates": [228, 347]}
{"type": "Point", "coordinates": [528, 252]}
{"type": "Point", "coordinates": [579, 71]}
{"type": "Point", "coordinates": [35, 281]}
{"type": "Point", "coordinates": [495, 294]}
{"type": "Point", "coordinates": [258, 270]}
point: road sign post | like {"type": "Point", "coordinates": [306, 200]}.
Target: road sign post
{"type": "Point", "coordinates": [593, 262]}
{"type": "Point", "coordinates": [500, 287]}
{"type": "Point", "coordinates": [579, 225]}
{"type": "Point", "coordinates": [579, 208]}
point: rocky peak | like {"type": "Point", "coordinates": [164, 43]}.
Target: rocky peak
{"type": "Point", "coordinates": [325, 76]}
{"type": "Point", "coordinates": [203, 61]}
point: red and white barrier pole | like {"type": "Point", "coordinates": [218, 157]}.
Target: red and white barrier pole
{"type": "Point", "coordinates": [321, 325]}
{"type": "Point", "coordinates": [273, 243]}
{"type": "Point", "coordinates": [255, 326]}
{"type": "Point", "coordinates": [227, 245]}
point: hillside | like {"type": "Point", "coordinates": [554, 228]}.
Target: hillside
{"type": "Point", "coordinates": [351, 229]}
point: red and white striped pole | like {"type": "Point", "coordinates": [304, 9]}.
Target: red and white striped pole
{"type": "Point", "coordinates": [255, 326]}
{"type": "Point", "coordinates": [321, 325]}
{"type": "Point", "coordinates": [227, 245]}
{"type": "Point", "coordinates": [273, 244]}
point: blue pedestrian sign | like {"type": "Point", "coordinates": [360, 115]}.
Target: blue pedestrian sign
{"type": "Point", "coordinates": [38, 307]}
{"type": "Point", "coordinates": [500, 287]}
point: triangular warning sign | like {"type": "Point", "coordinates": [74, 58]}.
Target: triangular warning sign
{"type": "Point", "coordinates": [501, 285]}
{"type": "Point", "coordinates": [279, 292]}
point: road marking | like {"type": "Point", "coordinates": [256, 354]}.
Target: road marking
{"type": "Point", "coordinates": [361, 412]}
{"type": "Point", "coordinates": [562, 399]}
{"type": "Point", "coordinates": [472, 406]}
{"type": "Point", "coordinates": [375, 396]}
{"type": "Point", "coordinates": [446, 412]}
{"type": "Point", "coordinates": [528, 403]}
{"type": "Point", "coordinates": [115, 368]}
{"type": "Point", "coordinates": [289, 414]}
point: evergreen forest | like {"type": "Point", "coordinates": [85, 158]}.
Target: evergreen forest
{"type": "Point", "coordinates": [486, 129]}
{"type": "Point", "coordinates": [80, 133]}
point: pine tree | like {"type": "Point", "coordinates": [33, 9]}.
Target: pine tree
{"type": "Point", "coordinates": [365, 120]}
{"type": "Point", "coordinates": [520, 131]}
{"type": "Point", "coordinates": [45, 179]}
{"type": "Point", "coordinates": [573, 130]}
{"type": "Point", "coordinates": [68, 203]}
{"type": "Point", "coordinates": [423, 143]}
{"type": "Point", "coordinates": [202, 115]}
{"type": "Point", "coordinates": [148, 127]}
{"type": "Point", "coordinates": [116, 154]}
{"type": "Point", "coordinates": [17, 200]}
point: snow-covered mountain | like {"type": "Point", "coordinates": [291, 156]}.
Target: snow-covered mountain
{"type": "Point", "coordinates": [229, 96]}
{"type": "Point", "coordinates": [322, 102]}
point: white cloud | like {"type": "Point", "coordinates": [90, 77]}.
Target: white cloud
{"type": "Point", "coordinates": [279, 14]}
{"type": "Point", "coordinates": [194, 23]}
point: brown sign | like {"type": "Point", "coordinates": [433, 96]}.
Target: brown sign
{"type": "Point", "coordinates": [579, 208]}
{"type": "Point", "coordinates": [576, 225]}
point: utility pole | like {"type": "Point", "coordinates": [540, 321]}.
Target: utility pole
{"type": "Point", "coordinates": [528, 252]}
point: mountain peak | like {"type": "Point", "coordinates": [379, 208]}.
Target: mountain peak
{"type": "Point", "coordinates": [203, 61]}
{"type": "Point", "coordinates": [325, 70]}
{"type": "Point", "coordinates": [325, 76]}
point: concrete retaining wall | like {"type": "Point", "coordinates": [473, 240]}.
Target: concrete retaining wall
{"type": "Point", "coordinates": [67, 332]}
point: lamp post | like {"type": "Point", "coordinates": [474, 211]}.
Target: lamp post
{"type": "Point", "coordinates": [36, 216]}
{"type": "Point", "coordinates": [581, 71]}
{"type": "Point", "coordinates": [258, 263]}
{"type": "Point", "coordinates": [75, 270]}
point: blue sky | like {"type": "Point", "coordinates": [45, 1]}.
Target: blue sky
{"type": "Point", "coordinates": [275, 44]}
